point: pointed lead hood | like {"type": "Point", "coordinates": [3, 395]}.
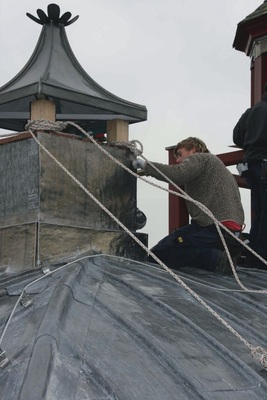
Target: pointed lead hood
{"type": "Point", "coordinates": [250, 28]}
{"type": "Point", "coordinates": [54, 73]}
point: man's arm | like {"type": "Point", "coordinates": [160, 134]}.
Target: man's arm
{"type": "Point", "coordinates": [189, 169]}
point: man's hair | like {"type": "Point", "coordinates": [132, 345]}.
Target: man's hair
{"type": "Point", "coordinates": [191, 143]}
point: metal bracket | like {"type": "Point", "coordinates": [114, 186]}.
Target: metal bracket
{"type": "Point", "coordinates": [25, 301]}
{"type": "Point", "coordinates": [4, 361]}
{"type": "Point", "coordinates": [45, 268]}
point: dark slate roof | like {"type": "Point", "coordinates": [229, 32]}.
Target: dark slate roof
{"type": "Point", "coordinates": [110, 328]}
{"type": "Point", "coordinates": [261, 10]}
{"type": "Point", "coordinates": [54, 73]}
{"type": "Point", "coordinates": [246, 28]}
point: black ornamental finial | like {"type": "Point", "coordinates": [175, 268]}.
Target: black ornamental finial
{"type": "Point", "coordinates": [53, 14]}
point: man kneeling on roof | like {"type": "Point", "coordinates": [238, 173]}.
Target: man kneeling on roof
{"type": "Point", "coordinates": [206, 180]}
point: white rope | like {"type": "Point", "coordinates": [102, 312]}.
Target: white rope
{"type": "Point", "coordinates": [257, 352]}
{"type": "Point", "coordinates": [206, 211]}
{"type": "Point", "coordinates": [132, 146]}
{"type": "Point", "coordinates": [38, 124]}
{"type": "Point", "coordinates": [34, 281]}
{"type": "Point", "coordinates": [181, 193]}
{"type": "Point", "coordinates": [44, 125]}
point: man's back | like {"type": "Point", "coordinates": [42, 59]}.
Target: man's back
{"type": "Point", "coordinates": [216, 188]}
{"type": "Point", "coordinates": [207, 180]}
{"type": "Point", "coordinates": [250, 133]}
{"type": "Point", "coordinates": [255, 144]}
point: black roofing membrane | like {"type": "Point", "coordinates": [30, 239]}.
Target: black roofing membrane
{"type": "Point", "coordinates": [105, 327]}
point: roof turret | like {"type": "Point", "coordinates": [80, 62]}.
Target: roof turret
{"type": "Point", "coordinates": [54, 73]}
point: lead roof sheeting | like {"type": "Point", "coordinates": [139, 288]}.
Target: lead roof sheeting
{"type": "Point", "coordinates": [117, 329]}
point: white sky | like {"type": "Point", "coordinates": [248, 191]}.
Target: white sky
{"type": "Point", "coordinates": [173, 56]}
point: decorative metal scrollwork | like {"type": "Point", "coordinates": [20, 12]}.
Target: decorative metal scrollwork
{"type": "Point", "coordinates": [53, 14]}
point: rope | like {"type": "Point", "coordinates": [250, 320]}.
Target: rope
{"type": "Point", "coordinates": [39, 124]}
{"type": "Point", "coordinates": [218, 224]}
{"type": "Point", "coordinates": [205, 210]}
{"type": "Point", "coordinates": [131, 145]}
{"type": "Point", "coordinates": [34, 281]}
{"type": "Point", "coordinates": [257, 352]}
{"type": "Point", "coordinates": [44, 125]}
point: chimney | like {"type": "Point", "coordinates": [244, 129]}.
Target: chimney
{"type": "Point", "coordinates": [46, 217]}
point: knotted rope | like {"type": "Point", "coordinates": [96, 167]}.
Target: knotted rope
{"type": "Point", "coordinates": [44, 125]}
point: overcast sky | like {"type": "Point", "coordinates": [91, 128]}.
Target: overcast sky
{"type": "Point", "coordinates": [173, 56]}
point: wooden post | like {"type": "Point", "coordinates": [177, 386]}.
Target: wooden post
{"type": "Point", "coordinates": [178, 214]}
{"type": "Point", "coordinates": [117, 130]}
{"type": "Point", "coordinates": [43, 109]}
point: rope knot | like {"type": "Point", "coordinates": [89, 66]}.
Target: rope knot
{"type": "Point", "coordinates": [131, 145]}
{"type": "Point", "coordinates": [260, 354]}
{"type": "Point", "coordinates": [44, 125]}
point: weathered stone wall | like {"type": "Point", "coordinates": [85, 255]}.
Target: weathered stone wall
{"type": "Point", "coordinates": [45, 216]}
{"type": "Point", "coordinates": [63, 202]}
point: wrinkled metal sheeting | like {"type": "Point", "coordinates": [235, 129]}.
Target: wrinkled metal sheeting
{"type": "Point", "coordinates": [110, 328]}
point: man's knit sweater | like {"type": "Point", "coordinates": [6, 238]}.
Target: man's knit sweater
{"type": "Point", "coordinates": [205, 179]}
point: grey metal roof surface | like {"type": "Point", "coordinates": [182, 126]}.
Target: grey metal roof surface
{"type": "Point", "coordinates": [111, 328]}
{"type": "Point", "coordinates": [54, 73]}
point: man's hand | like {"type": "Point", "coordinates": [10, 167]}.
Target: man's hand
{"type": "Point", "coordinates": [139, 163]}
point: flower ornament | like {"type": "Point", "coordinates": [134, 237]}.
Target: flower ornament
{"type": "Point", "coordinates": [53, 14]}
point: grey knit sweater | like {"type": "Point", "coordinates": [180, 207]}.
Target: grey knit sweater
{"type": "Point", "coordinates": [205, 179]}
